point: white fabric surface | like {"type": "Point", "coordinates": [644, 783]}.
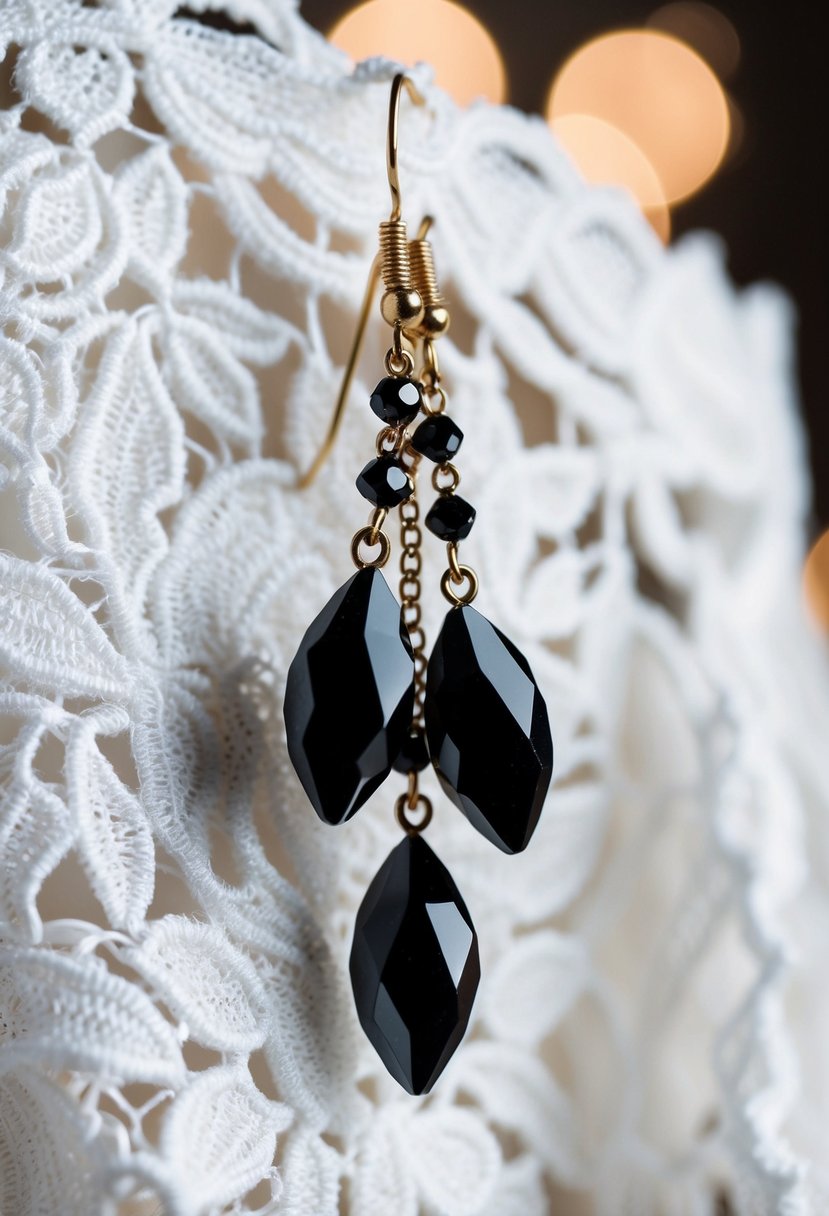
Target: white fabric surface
{"type": "Point", "coordinates": [187, 218]}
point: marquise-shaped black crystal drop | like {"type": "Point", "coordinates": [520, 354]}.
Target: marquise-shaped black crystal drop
{"type": "Point", "coordinates": [349, 696]}
{"type": "Point", "coordinates": [487, 729]}
{"type": "Point", "coordinates": [414, 965]}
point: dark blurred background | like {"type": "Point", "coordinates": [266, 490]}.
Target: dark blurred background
{"type": "Point", "coordinates": [768, 198]}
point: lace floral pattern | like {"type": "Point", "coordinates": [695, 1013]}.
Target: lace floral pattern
{"type": "Point", "coordinates": [186, 220]}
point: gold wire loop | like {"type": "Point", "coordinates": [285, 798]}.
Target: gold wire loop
{"type": "Point", "coordinates": [386, 441]}
{"type": "Point", "coordinates": [432, 393]}
{"type": "Point", "coordinates": [455, 597]}
{"type": "Point", "coordinates": [399, 361]}
{"type": "Point", "coordinates": [370, 536]}
{"type": "Point", "coordinates": [445, 470]}
{"type": "Point", "coordinates": [400, 808]}
{"type": "Point", "coordinates": [454, 565]}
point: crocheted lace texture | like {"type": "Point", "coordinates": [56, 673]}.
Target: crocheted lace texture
{"type": "Point", "coordinates": [187, 220]}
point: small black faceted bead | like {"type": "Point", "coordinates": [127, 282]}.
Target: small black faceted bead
{"type": "Point", "coordinates": [438, 438]}
{"type": "Point", "coordinates": [414, 754]}
{"type": "Point", "coordinates": [385, 483]}
{"type": "Point", "coordinates": [450, 517]}
{"type": "Point", "coordinates": [396, 400]}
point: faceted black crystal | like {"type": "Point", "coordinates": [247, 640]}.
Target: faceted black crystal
{"type": "Point", "coordinates": [487, 729]}
{"type": "Point", "coordinates": [414, 965]}
{"type": "Point", "coordinates": [350, 696]}
{"type": "Point", "coordinates": [437, 438]}
{"type": "Point", "coordinates": [414, 754]}
{"type": "Point", "coordinates": [450, 517]}
{"type": "Point", "coordinates": [396, 400]}
{"type": "Point", "coordinates": [385, 483]}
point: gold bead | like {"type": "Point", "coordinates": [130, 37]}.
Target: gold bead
{"type": "Point", "coordinates": [402, 306]}
{"type": "Point", "coordinates": [435, 321]}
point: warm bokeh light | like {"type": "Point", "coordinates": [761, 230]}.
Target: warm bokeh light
{"type": "Point", "coordinates": [816, 580]}
{"type": "Point", "coordinates": [466, 60]}
{"type": "Point", "coordinates": [606, 156]}
{"type": "Point", "coordinates": [704, 28]}
{"type": "Point", "coordinates": [657, 91]}
{"type": "Point", "coordinates": [737, 123]}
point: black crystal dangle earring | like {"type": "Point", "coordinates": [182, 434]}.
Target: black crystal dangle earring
{"type": "Point", "coordinates": [414, 964]}
{"type": "Point", "coordinates": [354, 708]}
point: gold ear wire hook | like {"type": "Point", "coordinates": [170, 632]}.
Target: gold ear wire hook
{"type": "Point", "coordinates": [392, 263]}
{"type": "Point", "coordinates": [400, 81]}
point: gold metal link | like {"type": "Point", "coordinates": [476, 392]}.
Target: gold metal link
{"type": "Point", "coordinates": [412, 617]}
{"type": "Point", "coordinates": [417, 637]}
{"type": "Point", "coordinates": [411, 537]}
{"type": "Point", "coordinates": [411, 562]}
{"type": "Point", "coordinates": [409, 588]}
{"type": "Point", "coordinates": [430, 396]}
{"type": "Point", "coordinates": [454, 566]}
{"type": "Point", "coordinates": [446, 470]}
{"type": "Point", "coordinates": [454, 596]}
{"type": "Point", "coordinates": [386, 441]}
{"type": "Point", "coordinates": [400, 808]}
{"type": "Point", "coordinates": [370, 536]}
{"type": "Point", "coordinates": [398, 361]}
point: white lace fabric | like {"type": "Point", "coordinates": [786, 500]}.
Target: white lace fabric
{"type": "Point", "coordinates": [187, 220]}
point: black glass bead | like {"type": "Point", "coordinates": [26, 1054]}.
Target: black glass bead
{"type": "Point", "coordinates": [384, 482]}
{"type": "Point", "coordinates": [350, 696]}
{"type": "Point", "coordinates": [487, 729]}
{"type": "Point", "coordinates": [438, 438]}
{"type": "Point", "coordinates": [414, 965]}
{"type": "Point", "coordinates": [414, 754]}
{"type": "Point", "coordinates": [450, 517]}
{"type": "Point", "coordinates": [396, 400]}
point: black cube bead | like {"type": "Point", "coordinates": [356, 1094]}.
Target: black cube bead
{"type": "Point", "coordinates": [450, 517]}
{"type": "Point", "coordinates": [413, 755]}
{"type": "Point", "coordinates": [385, 483]}
{"type": "Point", "coordinates": [438, 438]}
{"type": "Point", "coordinates": [396, 400]}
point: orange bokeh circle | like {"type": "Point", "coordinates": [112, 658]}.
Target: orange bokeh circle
{"type": "Point", "coordinates": [466, 60]}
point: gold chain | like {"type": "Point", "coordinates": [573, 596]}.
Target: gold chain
{"type": "Point", "coordinates": [411, 562]}
{"type": "Point", "coordinates": [411, 539]}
